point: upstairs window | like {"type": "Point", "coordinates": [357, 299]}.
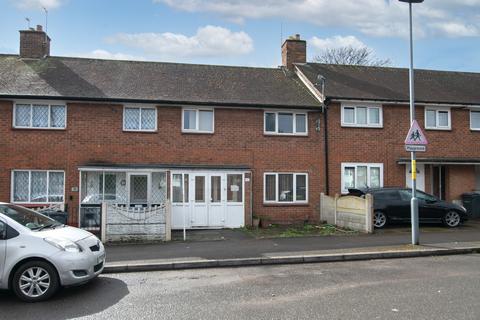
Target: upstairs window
{"type": "Point", "coordinates": [475, 120]}
{"type": "Point", "coordinates": [362, 116]}
{"type": "Point", "coordinates": [39, 116]}
{"type": "Point", "coordinates": [285, 123]}
{"type": "Point", "coordinates": [140, 119]}
{"type": "Point", "coordinates": [437, 118]}
{"type": "Point", "coordinates": [198, 120]}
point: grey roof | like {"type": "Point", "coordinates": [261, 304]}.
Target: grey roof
{"type": "Point", "coordinates": [95, 79]}
{"type": "Point", "coordinates": [391, 84]}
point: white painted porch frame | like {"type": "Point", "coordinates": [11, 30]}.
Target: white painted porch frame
{"type": "Point", "coordinates": [108, 170]}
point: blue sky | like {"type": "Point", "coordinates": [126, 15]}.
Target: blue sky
{"type": "Point", "coordinates": [248, 32]}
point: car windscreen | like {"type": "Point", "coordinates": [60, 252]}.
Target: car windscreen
{"type": "Point", "coordinates": [26, 217]}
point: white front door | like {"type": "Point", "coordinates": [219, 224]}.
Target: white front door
{"type": "Point", "coordinates": [216, 210]}
{"type": "Point", "coordinates": [420, 176]}
{"type": "Point", "coordinates": [207, 200]}
{"type": "Point", "coordinates": [198, 200]}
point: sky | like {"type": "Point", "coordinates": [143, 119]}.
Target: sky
{"type": "Point", "coordinates": [249, 32]}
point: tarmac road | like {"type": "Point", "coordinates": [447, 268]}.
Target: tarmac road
{"type": "Point", "coordinates": [421, 288]}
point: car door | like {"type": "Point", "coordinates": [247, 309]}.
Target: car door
{"type": "Point", "coordinates": [3, 248]}
{"type": "Point", "coordinates": [397, 206]}
{"type": "Point", "coordinates": [429, 207]}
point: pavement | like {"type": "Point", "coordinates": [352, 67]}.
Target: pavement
{"type": "Point", "coordinates": [226, 248]}
{"type": "Point", "coordinates": [436, 288]}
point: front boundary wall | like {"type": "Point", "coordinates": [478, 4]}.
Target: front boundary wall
{"type": "Point", "coordinates": [349, 212]}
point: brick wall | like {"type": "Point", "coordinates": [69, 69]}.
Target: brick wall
{"type": "Point", "coordinates": [34, 44]}
{"type": "Point", "coordinates": [386, 145]}
{"type": "Point", "coordinates": [94, 134]}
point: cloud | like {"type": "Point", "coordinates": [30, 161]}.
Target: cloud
{"type": "Point", "coordinates": [382, 18]}
{"type": "Point", "coordinates": [209, 41]}
{"type": "Point", "coordinates": [456, 29]}
{"type": "Point", "coordinates": [38, 4]}
{"type": "Point", "coordinates": [334, 42]}
{"type": "Point", "coordinates": [104, 54]}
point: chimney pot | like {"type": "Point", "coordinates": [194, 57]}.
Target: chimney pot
{"type": "Point", "coordinates": [39, 27]}
{"type": "Point", "coordinates": [294, 50]}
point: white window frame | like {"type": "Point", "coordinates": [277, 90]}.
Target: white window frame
{"type": "Point", "coordinates": [12, 186]}
{"type": "Point", "coordinates": [140, 118]}
{"type": "Point", "coordinates": [437, 110]}
{"type": "Point", "coordinates": [39, 102]}
{"type": "Point", "coordinates": [356, 165]}
{"type": "Point", "coordinates": [477, 110]}
{"type": "Point", "coordinates": [276, 201]}
{"type": "Point", "coordinates": [294, 125]}
{"type": "Point", "coordinates": [355, 106]}
{"type": "Point", "coordinates": [197, 120]}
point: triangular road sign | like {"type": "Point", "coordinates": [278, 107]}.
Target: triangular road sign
{"type": "Point", "coordinates": [416, 136]}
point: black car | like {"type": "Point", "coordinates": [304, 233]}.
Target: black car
{"type": "Point", "coordinates": [393, 205]}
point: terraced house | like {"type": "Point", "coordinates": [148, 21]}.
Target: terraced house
{"type": "Point", "coordinates": [221, 144]}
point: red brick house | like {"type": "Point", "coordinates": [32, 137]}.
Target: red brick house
{"type": "Point", "coordinates": [368, 120]}
{"type": "Point", "coordinates": [209, 138]}
{"type": "Point", "coordinates": [222, 143]}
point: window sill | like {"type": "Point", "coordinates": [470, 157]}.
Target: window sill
{"type": "Point", "coordinates": [438, 129]}
{"type": "Point", "coordinates": [42, 129]}
{"type": "Point", "coordinates": [286, 204]}
{"type": "Point", "coordinates": [140, 131]}
{"type": "Point", "coordinates": [198, 132]}
{"type": "Point", "coordinates": [285, 134]}
{"type": "Point", "coordinates": [361, 126]}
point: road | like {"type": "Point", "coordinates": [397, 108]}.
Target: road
{"type": "Point", "coordinates": [421, 288]}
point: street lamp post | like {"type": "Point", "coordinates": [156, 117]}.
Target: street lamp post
{"type": "Point", "coordinates": [414, 200]}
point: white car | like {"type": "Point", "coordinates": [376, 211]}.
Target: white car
{"type": "Point", "coordinates": [39, 255]}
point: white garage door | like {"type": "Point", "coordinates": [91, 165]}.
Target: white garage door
{"type": "Point", "coordinates": [207, 199]}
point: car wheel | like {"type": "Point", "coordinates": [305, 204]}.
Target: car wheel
{"type": "Point", "coordinates": [452, 219]}
{"type": "Point", "coordinates": [379, 219]}
{"type": "Point", "coordinates": [35, 281]}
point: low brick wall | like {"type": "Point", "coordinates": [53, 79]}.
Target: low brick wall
{"type": "Point", "coordinates": [349, 212]}
{"type": "Point", "coordinates": [125, 224]}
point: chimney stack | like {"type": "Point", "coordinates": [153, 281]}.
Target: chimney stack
{"type": "Point", "coordinates": [294, 50]}
{"type": "Point", "coordinates": [34, 43]}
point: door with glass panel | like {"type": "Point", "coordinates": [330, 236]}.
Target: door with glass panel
{"type": "Point", "coordinates": [216, 205]}
{"type": "Point", "coordinates": [199, 200]}
{"type": "Point", "coordinates": [180, 200]}
{"type": "Point", "coordinates": [138, 188]}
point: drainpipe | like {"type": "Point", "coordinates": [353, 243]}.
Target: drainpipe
{"type": "Point", "coordinates": [325, 137]}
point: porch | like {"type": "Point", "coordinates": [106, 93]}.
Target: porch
{"type": "Point", "coordinates": [146, 203]}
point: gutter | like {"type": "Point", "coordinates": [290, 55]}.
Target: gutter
{"type": "Point", "coordinates": [159, 102]}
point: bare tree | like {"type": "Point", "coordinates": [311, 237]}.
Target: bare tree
{"type": "Point", "coordinates": [351, 56]}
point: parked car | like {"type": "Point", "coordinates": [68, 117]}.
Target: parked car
{"type": "Point", "coordinates": [38, 255]}
{"type": "Point", "coordinates": [393, 204]}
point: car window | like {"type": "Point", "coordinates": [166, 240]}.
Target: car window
{"type": "Point", "coordinates": [425, 196]}
{"type": "Point", "coordinates": [405, 195]}
{"type": "Point", "coordinates": [386, 195]}
{"type": "Point", "coordinates": [3, 229]}
{"type": "Point", "coordinates": [26, 217]}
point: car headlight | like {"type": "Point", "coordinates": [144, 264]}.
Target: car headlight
{"type": "Point", "coordinates": [64, 244]}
